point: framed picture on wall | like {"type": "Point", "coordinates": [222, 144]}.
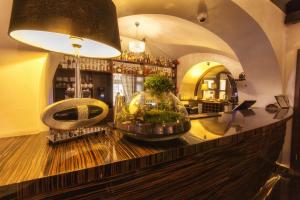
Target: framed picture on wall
{"type": "Point", "coordinates": [283, 101]}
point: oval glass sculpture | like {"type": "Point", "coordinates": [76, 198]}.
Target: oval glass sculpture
{"type": "Point", "coordinates": [75, 113]}
{"type": "Point", "coordinates": [153, 116]}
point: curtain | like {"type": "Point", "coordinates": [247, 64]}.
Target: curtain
{"type": "Point", "coordinates": [128, 86]}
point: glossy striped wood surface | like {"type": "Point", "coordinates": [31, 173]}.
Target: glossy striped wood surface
{"type": "Point", "coordinates": [30, 167]}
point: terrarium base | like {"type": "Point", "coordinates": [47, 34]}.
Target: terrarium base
{"type": "Point", "coordinates": [153, 139]}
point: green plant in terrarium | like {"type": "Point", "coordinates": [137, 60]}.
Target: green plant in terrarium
{"type": "Point", "coordinates": [158, 84]}
{"type": "Point", "coordinates": [155, 110]}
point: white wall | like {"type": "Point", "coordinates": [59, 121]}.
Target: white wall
{"type": "Point", "coordinates": [292, 46]}
{"type": "Point", "coordinates": [271, 19]}
{"type": "Point", "coordinates": [285, 39]}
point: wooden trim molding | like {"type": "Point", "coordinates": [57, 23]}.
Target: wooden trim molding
{"type": "Point", "coordinates": [295, 149]}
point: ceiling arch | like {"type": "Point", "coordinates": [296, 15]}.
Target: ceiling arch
{"type": "Point", "coordinates": [236, 27]}
{"type": "Point", "coordinates": [173, 35]}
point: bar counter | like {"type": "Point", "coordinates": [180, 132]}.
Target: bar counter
{"type": "Point", "coordinates": [226, 157]}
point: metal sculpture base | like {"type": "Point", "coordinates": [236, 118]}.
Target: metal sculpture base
{"type": "Point", "coordinates": [59, 136]}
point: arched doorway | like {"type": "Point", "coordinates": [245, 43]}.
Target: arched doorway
{"type": "Point", "coordinates": [210, 84]}
{"type": "Point", "coordinates": [214, 84]}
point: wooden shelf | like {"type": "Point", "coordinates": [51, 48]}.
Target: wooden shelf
{"type": "Point", "coordinates": [107, 72]}
{"type": "Point", "coordinates": [142, 63]}
{"type": "Point", "coordinates": [85, 70]}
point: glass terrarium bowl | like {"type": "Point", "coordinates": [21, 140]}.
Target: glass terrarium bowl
{"type": "Point", "coordinates": [153, 117]}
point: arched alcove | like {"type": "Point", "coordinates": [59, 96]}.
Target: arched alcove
{"type": "Point", "coordinates": [214, 74]}
{"type": "Point", "coordinates": [192, 73]}
{"type": "Point", "coordinates": [193, 66]}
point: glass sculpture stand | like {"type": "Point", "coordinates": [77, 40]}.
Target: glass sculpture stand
{"type": "Point", "coordinates": [58, 136]}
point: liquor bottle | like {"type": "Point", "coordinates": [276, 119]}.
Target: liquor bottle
{"type": "Point", "coordinates": [126, 69]}
{"type": "Point", "coordinates": [125, 55]}
{"type": "Point", "coordinates": [119, 69]}
{"type": "Point", "coordinates": [136, 69]}
{"type": "Point", "coordinates": [105, 66]}
{"type": "Point", "coordinates": [98, 65]}
{"type": "Point", "coordinates": [59, 65]}
{"type": "Point", "coordinates": [69, 62]}
{"type": "Point", "coordinates": [86, 64]}
{"type": "Point", "coordinates": [148, 59]}
{"type": "Point", "coordinates": [145, 70]}
{"type": "Point", "coordinates": [108, 66]}
{"type": "Point", "coordinates": [64, 63]}
{"type": "Point", "coordinates": [90, 64]}
{"type": "Point", "coordinates": [173, 73]}
{"type": "Point", "coordinates": [90, 83]}
{"type": "Point", "coordinates": [82, 60]}
{"type": "Point", "coordinates": [140, 72]}
{"type": "Point", "coordinates": [114, 68]}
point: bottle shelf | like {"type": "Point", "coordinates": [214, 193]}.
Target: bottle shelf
{"type": "Point", "coordinates": [143, 63]}
{"type": "Point", "coordinates": [116, 72]}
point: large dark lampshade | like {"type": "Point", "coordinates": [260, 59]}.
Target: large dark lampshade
{"type": "Point", "coordinates": [48, 24]}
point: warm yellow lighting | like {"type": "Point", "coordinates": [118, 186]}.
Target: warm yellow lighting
{"type": "Point", "coordinates": [199, 131]}
{"type": "Point", "coordinates": [24, 72]}
{"type": "Point", "coordinates": [196, 72]}
{"type": "Point", "coordinates": [204, 87]}
{"type": "Point", "coordinates": [192, 76]}
{"type": "Point", "coordinates": [214, 86]}
{"type": "Point", "coordinates": [137, 46]}
{"type": "Point", "coordinates": [58, 42]}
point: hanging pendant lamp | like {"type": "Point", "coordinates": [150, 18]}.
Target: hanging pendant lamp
{"type": "Point", "coordinates": [49, 24]}
{"type": "Point", "coordinates": [137, 46]}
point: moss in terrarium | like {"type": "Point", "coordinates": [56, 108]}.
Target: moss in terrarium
{"type": "Point", "coordinates": [159, 116]}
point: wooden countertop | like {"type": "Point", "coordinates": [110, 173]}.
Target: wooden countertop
{"type": "Point", "coordinates": [30, 158]}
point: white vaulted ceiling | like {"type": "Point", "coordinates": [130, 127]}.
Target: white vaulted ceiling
{"type": "Point", "coordinates": [252, 44]}
{"type": "Point", "coordinates": [173, 35]}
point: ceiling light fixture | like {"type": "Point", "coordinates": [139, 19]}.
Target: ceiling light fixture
{"type": "Point", "coordinates": [137, 46]}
